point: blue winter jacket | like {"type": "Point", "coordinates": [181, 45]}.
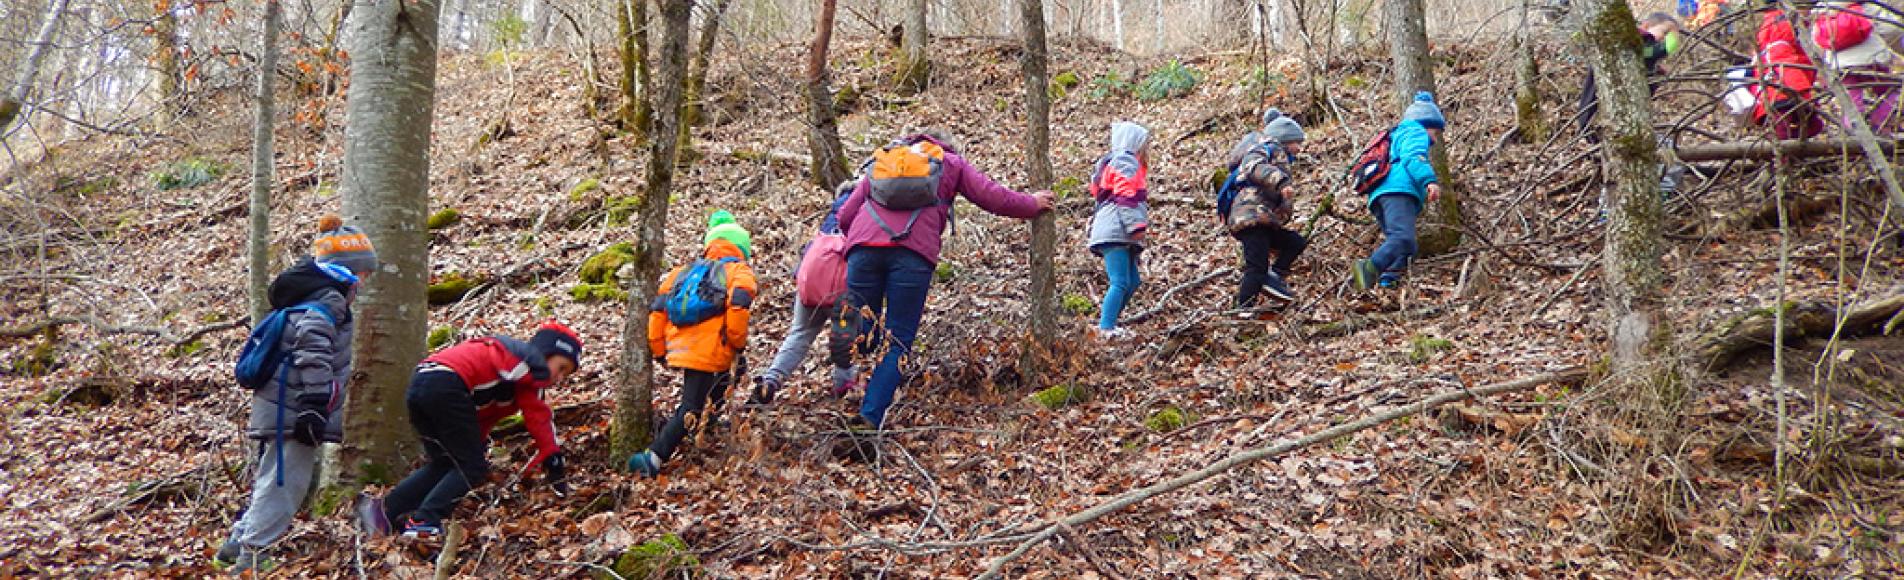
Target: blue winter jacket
{"type": "Point", "coordinates": [1410, 171]}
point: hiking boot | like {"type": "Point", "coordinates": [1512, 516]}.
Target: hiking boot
{"type": "Point", "coordinates": [1363, 274]}
{"type": "Point", "coordinates": [1389, 281]}
{"type": "Point", "coordinates": [371, 517]}
{"type": "Point", "coordinates": [1275, 288]}
{"type": "Point", "coordinates": [419, 530]}
{"type": "Point", "coordinates": [248, 560]}
{"type": "Point", "coordinates": [861, 442]}
{"type": "Point", "coordinates": [765, 389]}
{"type": "Point", "coordinates": [645, 464]}
{"type": "Point", "coordinates": [227, 555]}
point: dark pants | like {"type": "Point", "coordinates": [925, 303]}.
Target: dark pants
{"type": "Point", "coordinates": [1258, 243]}
{"type": "Point", "coordinates": [445, 418]}
{"type": "Point", "coordinates": [1396, 214]}
{"type": "Point", "coordinates": [892, 282]}
{"type": "Point", "coordinates": [697, 388]}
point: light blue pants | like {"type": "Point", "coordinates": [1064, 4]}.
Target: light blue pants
{"type": "Point", "coordinates": [273, 506]}
{"type": "Point", "coordinates": [808, 323]}
{"type": "Point", "coordinates": [1120, 263]}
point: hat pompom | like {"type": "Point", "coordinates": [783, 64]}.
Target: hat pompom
{"type": "Point", "coordinates": [329, 222]}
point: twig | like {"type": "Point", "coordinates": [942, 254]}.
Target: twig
{"type": "Point", "coordinates": [106, 328]}
{"type": "Point", "coordinates": [452, 543]}
{"type": "Point", "coordinates": [1134, 497]}
{"type": "Point", "coordinates": [1215, 421]}
{"type": "Point", "coordinates": [596, 567]}
{"type": "Point", "coordinates": [1551, 298]}
{"type": "Point", "coordinates": [1075, 539]}
{"type": "Point", "coordinates": [1164, 301]}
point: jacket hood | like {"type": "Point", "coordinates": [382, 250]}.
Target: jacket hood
{"type": "Point", "coordinates": [1127, 137]}
{"type": "Point", "coordinates": [302, 283]}
{"type": "Point", "coordinates": [721, 248]}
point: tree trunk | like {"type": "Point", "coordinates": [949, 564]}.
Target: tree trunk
{"type": "Point", "coordinates": [828, 164]}
{"type": "Point", "coordinates": [915, 66]}
{"type": "Point", "coordinates": [636, 111]}
{"type": "Point", "coordinates": [1117, 23]}
{"type": "Point", "coordinates": [166, 56]}
{"type": "Point", "coordinates": [1528, 119]}
{"type": "Point", "coordinates": [1440, 229]}
{"type": "Point", "coordinates": [1044, 232]}
{"type": "Point", "coordinates": [1639, 330]}
{"type": "Point", "coordinates": [386, 178]}
{"type": "Point", "coordinates": [697, 68]}
{"type": "Point", "coordinates": [15, 100]}
{"type": "Point", "coordinates": [634, 396]}
{"type": "Point", "coordinates": [262, 156]}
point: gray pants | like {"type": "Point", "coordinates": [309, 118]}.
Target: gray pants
{"type": "Point", "coordinates": [273, 506]}
{"type": "Point", "coordinates": [808, 323]}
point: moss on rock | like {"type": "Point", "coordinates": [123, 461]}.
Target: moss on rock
{"type": "Point", "coordinates": [656, 558]}
{"type": "Point", "coordinates": [444, 218]}
{"type": "Point", "coordinates": [584, 187]}
{"type": "Point", "coordinates": [450, 288]}
{"type": "Point", "coordinates": [1167, 419]}
{"type": "Point", "coordinates": [596, 292]}
{"type": "Point", "coordinates": [601, 267]}
{"type": "Point", "coordinates": [1422, 347]}
{"type": "Point", "coordinates": [1059, 396]}
{"type": "Point", "coordinates": [440, 337]}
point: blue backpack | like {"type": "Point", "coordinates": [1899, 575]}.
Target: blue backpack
{"type": "Point", "coordinates": [262, 355]}
{"type": "Point", "coordinates": [699, 293]}
{"type": "Point", "coordinates": [1226, 193]}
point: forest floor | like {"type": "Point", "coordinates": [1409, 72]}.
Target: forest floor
{"type": "Point", "coordinates": [147, 479]}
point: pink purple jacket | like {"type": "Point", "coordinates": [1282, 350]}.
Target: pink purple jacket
{"type": "Point", "coordinates": [959, 178]}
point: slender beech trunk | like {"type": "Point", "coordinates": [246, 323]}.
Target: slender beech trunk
{"type": "Point", "coordinates": [1044, 231]}
{"type": "Point", "coordinates": [634, 396]}
{"type": "Point", "coordinates": [386, 179]}
{"type": "Point", "coordinates": [262, 154]}
{"type": "Point", "coordinates": [915, 65]}
{"type": "Point", "coordinates": [636, 110]}
{"type": "Point", "coordinates": [1527, 114]}
{"type": "Point", "coordinates": [697, 68]}
{"type": "Point", "coordinates": [15, 100]}
{"type": "Point", "coordinates": [829, 166]}
{"type": "Point", "coordinates": [1440, 227]}
{"type": "Point", "coordinates": [1117, 23]}
{"type": "Point", "coordinates": [166, 56]}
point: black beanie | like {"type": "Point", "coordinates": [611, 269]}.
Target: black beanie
{"type": "Point", "coordinates": [555, 339]}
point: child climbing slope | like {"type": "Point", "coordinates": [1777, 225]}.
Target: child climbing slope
{"type": "Point", "coordinates": [1122, 218]}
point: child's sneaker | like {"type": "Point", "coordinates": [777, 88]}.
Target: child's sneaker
{"type": "Point", "coordinates": [1113, 334]}
{"type": "Point", "coordinates": [227, 555]}
{"type": "Point", "coordinates": [645, 463]}
{"type": "Point", "coordinates": [370, 516]}
{"type": "Point", "coordinates": [1275, 288]}
{"type": "Point", "coordinates": [1363, 274]}
{"type": "Point", "coordinates": [246, 560]}
{"type": "Point", "coordinates": [841, 388]}
{"type": "Point", "coordinates": [424, 531]}
{"type": "Point", "coordinates": [1389, 281]}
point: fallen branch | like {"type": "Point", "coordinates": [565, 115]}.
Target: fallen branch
{"type": "Point", "coordinates": [104, 327]}
{"type": "Point", "coordinates": [1763, 150]}
{"type": "Point", "coordinates": [1164, 301]}
{"type": "Point", "coordinates": [452, 543]}
{"type": "Point", "coordinates": [1753, 330]}
{"type": "Point", "coordinates": [184, 483]}
{"type": "Point", "coordinates": [1048, 529]}
{"type": "Point", "coordinates": [1352, 324]}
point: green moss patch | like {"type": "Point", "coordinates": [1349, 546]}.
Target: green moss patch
{"type": "Point", "coordinates": [619, 209]}
{"type": "Point", "coordinates": [597, 292]}
{"type": "Point", "coordinates": [1059, 396]}
{"type": "Point", "coordinates": [657, 558]}
{"type": "Point", "coordinates": [1077, 304]}
{"type": "Point", "coordinates": [440, 337]}
{"type": "Point", "coordinates": [1167, 419]}
{"type": "Point", "coordinates": [584, 187]}
{"type": "Point", "coordinates": [1422, 348]}
{"type": "Point", "coordinates": [189, 173]}
{"type": "Point", "coordinates": [444, 218]}
{"type": "Point", "coordinates": [450, 288]}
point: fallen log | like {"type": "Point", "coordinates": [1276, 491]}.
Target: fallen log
{"type": "Point", "coordinates": [1763, 150]}
{"type": "Point", "coordinates": [103, 327]}
{"type": "Point", "coordinates": [1753, 330]}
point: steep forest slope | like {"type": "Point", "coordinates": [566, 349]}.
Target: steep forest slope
{"type": "Point", "coordinates": [123, 453]}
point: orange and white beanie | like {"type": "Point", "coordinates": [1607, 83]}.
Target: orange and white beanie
{"type": "Point", "coordinates": [343, 245]}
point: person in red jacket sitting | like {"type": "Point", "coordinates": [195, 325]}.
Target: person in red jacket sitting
{"type": "Point", "coordinates": [455, 397]}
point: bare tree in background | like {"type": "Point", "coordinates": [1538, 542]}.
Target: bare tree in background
{"type": "Point", "coordinates": [1414, 71]}
{"type": "Point", "coordinates": [633, 425]}
{"type": "Point", "coordinates": [166, 56]}
{"type": "Point", "coordinates": [386, 179]}
{"type": "Point", "coordinates": [636, 111]}
{"type": "Point", "coordinates": [1528, 119]}
{"type": "Point", "coordinates": [1044, 231]}
{"type": "Point", "coordinates": [697, 68]}
{"type": "Point", "coordinates": [828, 161]}
{"type": "Point", "coordinates": [262, 154]}
{"type": "Point", "coordinates": [15, 100]}
{"type": "Point", "coordinates": [915, 65]}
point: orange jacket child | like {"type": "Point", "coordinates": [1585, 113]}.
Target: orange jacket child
{"type": "Point", "coordinates": [699, 325]}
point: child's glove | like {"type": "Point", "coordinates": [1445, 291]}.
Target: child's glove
{"type": "Point", "coordinates": [309, 428]}
{"type": "Point", "coordinates": [555, 473]}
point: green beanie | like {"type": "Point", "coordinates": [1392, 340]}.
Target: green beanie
{"type": "Point", "coordinates": [721, 226]}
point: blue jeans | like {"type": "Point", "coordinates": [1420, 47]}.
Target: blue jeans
{"type": "Point", "coordinates": [892, 283]}
{"type": "Point", "coordinates": [1120, 263]}
{"type": "Point", "coordinates": [1396, 214]}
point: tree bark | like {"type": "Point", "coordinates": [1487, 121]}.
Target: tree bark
{"type": "Point", "coordinates": [1117, 23]}
{"type": "Point", "coordinates": [828, 160]}
{"type": "Point", "coordinates": [697, 68]}
{"type": "Point", "coordinates": [634, 396]}
{"type": "Point", "coordinates": [1528, 119]}
{"type": "Point", "coordinates": [1638, 329]}
{"type": "Point", "coordinates": [166, 56]}
{"type": "Point", "coordinates": [262, 164]}
{"type": "Point", "coordinates": [15, 100]}
{"type": "Point", "coordinates": [386, 178]}
{"type": "Point", "coordinates": [1044, 233]}
{"type": "Point", "coordinates": [1440, 229]}
{"type": "Point", "coordinates": [915, 65]}
{"type": "Point", "coordinates": [636, 110]}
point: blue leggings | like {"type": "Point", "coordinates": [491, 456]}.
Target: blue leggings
{"type": "Point", "coordinates": [1396, 213]}
{"type": "Point", "coordinates": [1120, 263]}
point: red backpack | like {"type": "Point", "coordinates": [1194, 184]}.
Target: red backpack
{"type": "Point", "coordinates": [821, 278]}
{"type": "Point", "coordinates": [1371, 168]}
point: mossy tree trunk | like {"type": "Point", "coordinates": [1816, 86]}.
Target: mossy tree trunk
{"type": "Point", "coordinates": [386, 179]}
{"type": "Point", "coordinates": [1440, 229]}
{"type": "Point", "coordinates": [697, 68]}
{"type": "Point", "coordinates": [636, 110]}
{"type": "Point", "coordinates": [262, 154]}
{"type": "Point", "coordinates": [166, 57]}
{"type": "Point", "coordinates": [15, 99]}
{"type": "Point", "coordinates": [1044, 233]}
{"type": "Point", "coordinates": [915, 65]}
{"type": "Point", "coordinates": [634, 394]}
{"type": "Point", "coordinates": [1528, 119]}
{"type": "Point", "coordinates": [829, 167]}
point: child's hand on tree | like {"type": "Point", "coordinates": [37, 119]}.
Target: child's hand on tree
{"type": "Point", "coordinates": [1434, 192]}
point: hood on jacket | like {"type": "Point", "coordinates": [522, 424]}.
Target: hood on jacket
{"type": "Point", "coordinates": [301, 283]}
{"type": "Point", "coordinates": [722, 248]}
{"type": "Point", "coordinates": [1128, 137]}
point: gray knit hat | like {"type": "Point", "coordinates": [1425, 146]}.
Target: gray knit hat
{"type": "Point", "coordinates": [1281, 129]}
{"type": "Point", "coordinates": [343, 245]}
{"type": "Point", "coordinates": [1423, 110]}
